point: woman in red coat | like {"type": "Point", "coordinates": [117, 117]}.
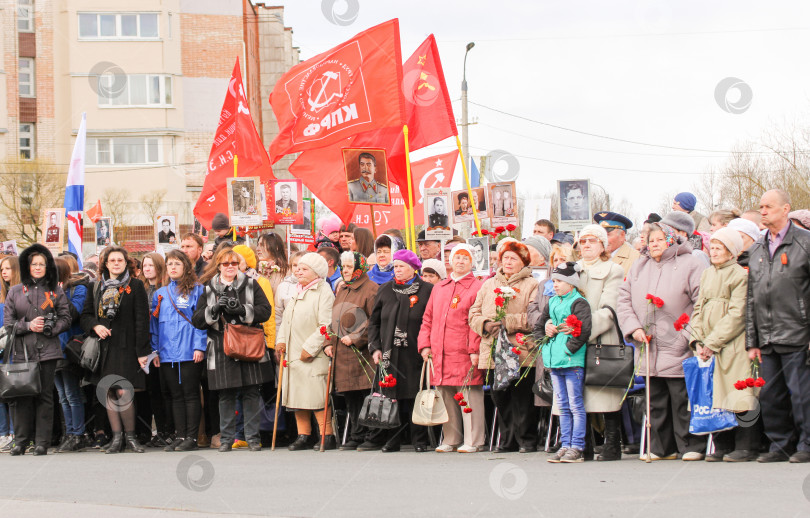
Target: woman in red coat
{"type": "Point", "coordinates": [446, 336]}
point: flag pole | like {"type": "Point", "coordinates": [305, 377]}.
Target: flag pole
{"type": "Point", "coordinates": [373, 222]}
{"type": "Point", "coordinates": [469, 188]}
{"type": "Point", "coordinates": [235, 162]}
{"type": "Point", "coordinates": [412, 243]}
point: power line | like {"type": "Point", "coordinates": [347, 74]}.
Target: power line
{"type": "Point", "coordinates": [634, 35]}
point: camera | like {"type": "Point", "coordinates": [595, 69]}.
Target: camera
{"type": "Point", "coordinates": [231, 303]}
{"type": "Point", "coordinates": [47, 325]}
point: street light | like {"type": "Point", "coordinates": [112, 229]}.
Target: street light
{"type": "Point", "coordinates": [465, 143]}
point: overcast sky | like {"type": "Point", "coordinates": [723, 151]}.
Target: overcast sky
{"type": "Point", "coordinates": [636, 70]}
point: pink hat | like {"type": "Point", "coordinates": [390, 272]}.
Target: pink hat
{"type": "Point", "coordinates": [330, 224]}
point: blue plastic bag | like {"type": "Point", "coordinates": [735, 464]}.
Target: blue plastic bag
{"type": "Point", "coordinates": [699, 377]}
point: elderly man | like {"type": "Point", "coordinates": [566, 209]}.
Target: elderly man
{"type": "Point", "coordinates": [428, 249]}
{"type": "Point", "coordinates": [616, 227]}
{"type": "Point", "coordinates": [686, 202]}
{"type": "Point", "coordinates": [777, 330]}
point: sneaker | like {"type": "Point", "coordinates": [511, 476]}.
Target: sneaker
{"type": "Point", "coordinates": [215, 441]}
{"type": "Point", "coordinates": [99, 440]}
{"type": "Point", "coordinates": [653, 456]}
{"type": "Point", "coordinates": [445, 448]}
{"type": "Point", "coordinates": [238, 443]}
{"type": "Point", "coordinates": [572, 455]}
{"type": "Point", "coordinates": [558, 456]}
{"type": "Point", "coordinates": [468, 449]}
{"type": "Point", "coordinates": [692, 456]}
{"type": "Point", "coordinates": [5, 440]}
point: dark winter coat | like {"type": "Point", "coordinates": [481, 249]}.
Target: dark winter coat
{"type": "Point", "coordinates": [350, 317]}
{"type": "Point", "coordinates": [24, 303]}
{"type": "Point", "coordinates": [223, 371]}
{"type": "Point", "coordinates": [129, 333]}
{"type": "Point", "coordinates": [404, 361]}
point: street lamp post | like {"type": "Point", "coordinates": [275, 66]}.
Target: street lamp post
{"type": "Point", "coordinates": [465, 144]}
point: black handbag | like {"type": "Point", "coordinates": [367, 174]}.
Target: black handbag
{"type": "Point", "coordinates": [91, 353]}
{"type": "Point", "coordinates": [608, 365]}
{"type": "Point", "coordinates": [18, 379]}
{"type": "Point", "coordinates": [543, 388]}
{"type": "Point", "coordinates": [379, 411]}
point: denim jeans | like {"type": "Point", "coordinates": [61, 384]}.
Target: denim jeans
{"type": "Point", "coordinates": [569, 384]}
{"type": "Point", "coordinates": [5, 421]}
{"type": "Point", "coordinates": [70, 397]}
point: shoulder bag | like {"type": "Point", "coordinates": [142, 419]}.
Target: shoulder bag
{"type": "Point", "coordinates": [543, 387]}
{"type": "Point", "coordinates": [428, 408]}
{"type": "Point", "coordinates": [608, 365]}
{"type": "Point", "coordinates": [242, 342]}
{"type": "Point", "coordinates": [18, 379]}
{"type": "Point", "coordinates": [379, 411]}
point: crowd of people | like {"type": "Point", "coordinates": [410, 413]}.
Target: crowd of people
{"type": "Point", "coordinates": [179, 368]}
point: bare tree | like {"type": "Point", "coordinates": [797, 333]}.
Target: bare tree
{"type": "Point", "coordinates": [26, 188]}
{"type": "Point", "coordinates": [151, 202]}
{"type": "Point", "coordinates": [115, 203]}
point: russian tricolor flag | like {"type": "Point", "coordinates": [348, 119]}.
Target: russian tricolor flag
{"type": "Point", "coordinates": [74, 192]}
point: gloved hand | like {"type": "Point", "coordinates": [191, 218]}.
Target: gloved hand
{"type": "Point", "coordinates": [238, 310]}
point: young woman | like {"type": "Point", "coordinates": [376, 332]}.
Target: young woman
{"type": "Point", "coordinates": [117, 312]}
{"type": "Point", "coordinates": [181, 348]}
{"type": "Point", "coordinates": [9, 276]}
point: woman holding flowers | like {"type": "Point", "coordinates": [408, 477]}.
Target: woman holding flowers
{"type": "Point", "coordinates": [718, 329]}
{"type": "Point", "coordinates": [663, 284]}
{"type": "Point", "coordinates": [454, 347]}
{"type": "Point", "coordinates": [507, 308]}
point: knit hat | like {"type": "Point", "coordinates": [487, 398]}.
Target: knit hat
{"type": "Point", "coordinates": [247, 253]}
{"type": "Point", "coordinates": [567, 272]}
{"type": "Point", "coordinates": [597, 231]}
{"type": "Point", "coordinates": [316, 263]}
{"type": "Point", "coordinates": [517, 247]}
{"type": "Point", "coordinates": [731, 239]}
{"type": "Point", "coordinates": [330, 224]}
{"type": "Point", "coordinates": [540, 244]}
{"type": "Point", "coordinates": [802, 217]}
{"type": "Point", "coordinates": [459, 248]}
{"type": "Point", "coordinates": [409, 258]}
{"type": "Point", "coordinates": [746, 226]}
{"type": "Point", "coordinates": [680, 221]}
{"type": "Point", "coordinates": [220, 222]}
{"type": "Point", "coordinates": [686, 200]}
{"type": "Point", "coordinates": [652, 217]}
{"type": "Point", "coordinates": [436, 266]}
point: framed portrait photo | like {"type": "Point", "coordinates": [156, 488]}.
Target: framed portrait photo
{"type": "Point", "coordinates": [463, 205]}
{"type": "Point", "coordinates": [10, 247]}
{"type": "Point", "coordinates": [367, 176]}
{"type": "Point", "coordinates": [480, 246]}
{"type": "Point", "coordinates": [104, 233]}
{"type": "Point", "coordinates": [166, 233]}
{"type": "Point", "coordinates": [287, 202]}
{"type": "Point", "coordinates": [244, 199]}
{"type": "Point", "coordinates": [437, 217]}
{"type": "Point", "coordinates": [502, 203]}
{"type": "Point", "coordinates": [574, 204]}
{"type": "Point", "coordinates": [53, 224]}
{"type": "Point", "coordinates": [307, 225]}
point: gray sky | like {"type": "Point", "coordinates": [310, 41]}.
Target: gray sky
{"type": "Point", "coordinates": [643, 71]}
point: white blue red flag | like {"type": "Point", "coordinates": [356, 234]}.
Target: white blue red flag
{"type": "Point", "coordinates": [74, 192]}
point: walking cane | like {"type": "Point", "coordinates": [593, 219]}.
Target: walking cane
{"type": "Point", "coordinates": [647, 392]}
{"type": "Point", "coordinates": [278, 400]}
{"type": "Point", "coordinates": [326, 399]}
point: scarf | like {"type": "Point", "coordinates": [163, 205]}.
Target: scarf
{"type": "Point", "coordinates": [302, 289]}
{"type": "Point", "coordinates": [360, 267]}
{"type": "Point", "coordinates": [406, 298]}
{"type": "Point", "coordinates": [381, 276]}
{"type": "Point", "coordinates": [112, 289]}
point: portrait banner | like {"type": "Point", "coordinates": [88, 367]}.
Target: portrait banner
{"type": "Point", "coordinates": [166, 237]}
{"type": "Point", "coordinates": [53, 224]}
{"type": "Point", "coordinates": [502, 203]}
{"type": "Point", "coordinates": [574, 204]}
{"type": "Point", "coordinates": [287, 201]}
{"type": "Point", "coordinates": [244, 197]}
{"type": "Point", "coordinates": [437, 219]}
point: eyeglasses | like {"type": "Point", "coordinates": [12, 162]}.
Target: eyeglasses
{"type": "Point", "coordinates": [590, 241]}
{"type": "Point", "coordinates": [229, 263]}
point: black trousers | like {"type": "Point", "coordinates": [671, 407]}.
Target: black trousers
{"type": "Point", "coordinates": [517, 415]}
{"type": "Point", "coordinates": [210, 407]}
{"type": "Point", "coordinates": [181, 382]}
{"type": "Point", "coordinates": [743, 437]}
{"type": "Point", "coordinates": [150, 403]}
{"type": "Point", "coordinates": [785, 400]}
{"type": "Point", "coordinates": [669, 409]}
{"type": "Point", "coordinates": [35, 413]}
{"type": "Point", "coordinates": [357, 432]}
{"type": "Point", "coordinates": [393, 437]}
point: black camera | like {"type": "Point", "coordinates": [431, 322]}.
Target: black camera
{"type": "Point", "coordinates": [47, 325]}
{"type": "Point", "coordinates": [231, 303]}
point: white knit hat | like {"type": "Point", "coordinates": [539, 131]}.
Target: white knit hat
{"type": "Point", "coordinates": [596, 231]}
{"type": "Point", "coordinates": [435, 265]}
{"type": "Point", "coordinates": [458, 247]}
{"type": "Point", "coordinates": [316, 263]}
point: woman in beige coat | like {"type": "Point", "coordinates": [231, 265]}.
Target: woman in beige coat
{"type": "Point", "coordinates": [718, 325]}
{"type": "Point", "coordinates": [304, 383]}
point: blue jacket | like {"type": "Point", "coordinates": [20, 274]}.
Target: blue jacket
{"type": "Point", "coordinates": [76, 296]}
{"type": "Point", "coordinates": [174, 338]}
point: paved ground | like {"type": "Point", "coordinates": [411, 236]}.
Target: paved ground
{"type": "Point", "coordinates": [284, 483]}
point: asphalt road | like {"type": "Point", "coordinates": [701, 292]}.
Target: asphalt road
{"type": "Point", "coordinates": [282, 483]}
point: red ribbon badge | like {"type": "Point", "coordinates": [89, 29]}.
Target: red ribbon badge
{"type": "Point", "coordinates": [414, 299]}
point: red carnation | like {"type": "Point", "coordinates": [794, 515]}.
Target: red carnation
{"type": "Point", "coordinates": [284, 363]}
{"type": "Point", "coordinates": [740, 385]}
{"type": "Point", "coordinates": [510, 227]}
{"type": "Point", "coordinates": [650, 297]}
{"type": "Point", "coordinates": [323, 331]}
{"type": "Point", "coordinates": [462, 403]}
{"type": "Point", "coordinates": [500, 230]}
{"type": "Point", "coordinates": [484, 232]}
{"type": "Point", "coordinates": [759, 382]}
{"type": "Point", "coordinates": [521, 338]}
{"type": "Point", "coordinates": [750, 382]}
{"type": "Point", "coordinates": [499, 301]}
{"type": "Point", "coordinates": [467, 410]}
{"type": "Point", "coordinates": [681, 322]}
{"type": "Point", "coordinates": [459, 396]}
{"type": "Point", "coordinates": [658, 302]}
{"type": "Point", "coordinates": [515, 350]}
{"type": "Point", "coordinates": [474, 234]}
{"type": "Point", "coordinates": [497, 290]}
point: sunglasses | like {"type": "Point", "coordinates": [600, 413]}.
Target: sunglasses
{"type": "Point", "coordinates": [229, 263]}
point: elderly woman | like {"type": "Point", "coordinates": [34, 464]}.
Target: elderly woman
{"type": "Point", "coordinates": [433, 271]}
{"type": "Point", "coordinates": [517, 416]}
{"type": "Point", "coordinates": [393, 340]}
{"type": "Point", "coordinates": [234, 298]}
{"type": "Point", "coordinates": [117, 312]}
{"type": "Point", "coordinates": [446, 337]}
{"type": "Point", "coordinates": [300, 338]}
{"type": "Point", "coordinates": [666, 270]}
{"type": "Point", "coordinates": [354, 301]}
{"type": "Point", "coordinates": [384, 249]}
{"type": "Point", "coordinates": [38, 310]}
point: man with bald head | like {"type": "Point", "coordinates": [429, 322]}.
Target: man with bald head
{"type": "Point", "coordinates": [778, 329]}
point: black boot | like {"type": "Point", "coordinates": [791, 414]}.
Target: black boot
{"type": "Point", "coordinates": [612, 449]}
{"type": "Point", "coordinates": [132, 443]}
{"type": "Point", "coordinates": [116, 445]}
{"type": "Point", "coordinates": [303, 442]}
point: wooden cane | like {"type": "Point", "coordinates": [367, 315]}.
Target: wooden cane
{"type": "Point", "coordinates": [278, 401]}
{"type": "Point", "coordinates": [326, 399]}
{"type": "Point", "coordinates": [647, 392]}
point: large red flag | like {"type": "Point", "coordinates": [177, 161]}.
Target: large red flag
{"type": "Point", "coordinates": [236, 135]}
{"type": "Point", "coordinates": [352, 88]}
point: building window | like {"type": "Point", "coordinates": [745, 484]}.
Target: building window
{"type": "Point", "coordinates": [123, 151]}
{"type": "Point", "coordinates": [27, 141]}
{"type": "Point", "coordinates": [25, 15]}
{"type": "Point", "coordinates": [122, 26]}
{"type": "Point", "coordinates": [26, 77]}
{"type": "Point", "coordinates": [150, 90]}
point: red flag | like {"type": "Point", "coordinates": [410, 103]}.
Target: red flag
{"type": "Point", "coordinates": [236, 135]}
{"type": "Point", "coordinates": [94, 212]}
{"type": "Point", "coordinates": [351, 88]}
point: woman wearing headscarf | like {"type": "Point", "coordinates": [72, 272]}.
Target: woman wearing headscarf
{"type": "Point", "coordinates": [393, 340]}
{"type": "Point", "coordinates": [666, 270]}
{"type": "Point", "coordinates": [300, 337]}
{"type": "Point", "coordinates": [517, 416]}
{"type": "Point", "coordinates": [447, 338]}
{"type": "Point", "coordinates": [384, 249]}
{"type": "Point", "coordinates": [38, 311]}
{"type": "Point", "coordinates": [354, 301]}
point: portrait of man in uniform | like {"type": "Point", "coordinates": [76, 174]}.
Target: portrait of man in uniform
{"type": "Point", "coordinates": [53, 232]}
{"type": "Point", "coordinates": [366, 176]}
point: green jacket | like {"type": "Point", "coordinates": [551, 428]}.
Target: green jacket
{"type": "Point", "coordinates": [564, 350]}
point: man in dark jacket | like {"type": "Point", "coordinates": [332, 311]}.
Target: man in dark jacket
{"type": "Point", "coordinates": [221, 226]}
{"type": "Point", "coordinates": [777, 330]}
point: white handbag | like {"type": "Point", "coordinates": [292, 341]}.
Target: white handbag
{"type": "Point", "coordinates": [428, 407]}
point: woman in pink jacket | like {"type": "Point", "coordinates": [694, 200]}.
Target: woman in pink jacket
{"type": "Point", "coordinates": [446, 336]}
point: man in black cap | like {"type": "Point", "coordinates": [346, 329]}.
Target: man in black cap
{"type": "Point", "coordinates": [221, 226]}
{"type": "Point", "coordinates": [616, 227]}
{"type": "Point", "coordinates": [428, 249]}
